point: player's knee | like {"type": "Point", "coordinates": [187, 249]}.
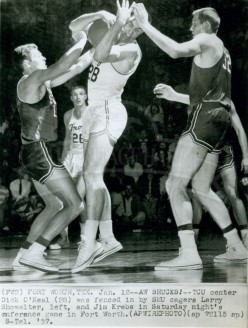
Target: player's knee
{"type": "Point", "coordinates": [198, 193]}
{"type": "Point", "coordinates": [93, 181]}
{"type": "Point", "coordinates": [232, 194]}
{"type": "Point", "coordinates": [174, 184]}
{"type": "Point", "coordinates": [199, 188]}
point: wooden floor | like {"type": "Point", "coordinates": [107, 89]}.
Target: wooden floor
{"type": "Point", "coordinates": [134, 264]}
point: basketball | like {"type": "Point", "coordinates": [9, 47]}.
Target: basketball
{"type": "Point", "coordinates": [96, 32]}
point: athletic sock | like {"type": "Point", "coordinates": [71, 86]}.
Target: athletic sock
{"type": "Point", "coordinates": [244, 232]}
{"type": "Point", "coordinates": [82, 228]}
{"type": "Point", "coordinates": [187, 238]}
{"type": "Point", "coordinates": [26, 245]}
{"type": "Point", "coordinates": [43, 241]}
{"type": "Point", "coordinates": [91, 228]}
{"type": "Point", "coordinates": [38, 247]}
{"type": "Point", "coordinates": [232, 237]}
{"type": "Point", "coordinates": [106, 229]}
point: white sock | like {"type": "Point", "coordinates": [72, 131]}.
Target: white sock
{"type": "Point", "coordinates": [91, 228]}
{"type": "Point", "coordinates": [187, 238]}
{"type": "Point", "coordinates": [106, 229]}
{"type": "Point", "coordinates": [82, 228]}
{"type": "Point", "coordinates": [232, 237]}
{"type": "Point", "coordinates": [244, 233]}
{"type": "Point", "coordinates": [37, 247]}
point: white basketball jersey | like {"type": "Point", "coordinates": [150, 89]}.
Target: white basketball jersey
{"type": "Point", "coordinates": [105, 82]}
{"type": "Point", "coordinates": [75, 127]}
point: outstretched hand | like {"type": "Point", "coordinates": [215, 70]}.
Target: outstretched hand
{"type": "Point", "coordinates": [123, 11]}
{"type": "Point", "coordinates": [165, 91]}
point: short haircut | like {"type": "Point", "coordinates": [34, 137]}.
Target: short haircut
{"type": "Point", "coordinates": [209, 14]}
{"type": "Point", "coordinates": [77, 86]}
{"type": "Point", "coordinates": [20, 54]}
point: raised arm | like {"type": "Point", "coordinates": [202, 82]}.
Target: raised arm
{"type": "Point", "coordinates": [171, 47]}
{"type": "Point", "coordinates": [103, 49]}
{"type": "Point", "coordinates": [83, 22]}
{"type": "Point", "coordinates": [242, 138]}
{"type": "Point", "coordinates": [82, 63]}
{"type": "Point", "coordinates": [32, 88]}
{"type": "Point", "coordinates": [61, 66]}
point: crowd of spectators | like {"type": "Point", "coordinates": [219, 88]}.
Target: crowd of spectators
{"type": "Point", "coordinates": [135, 175]}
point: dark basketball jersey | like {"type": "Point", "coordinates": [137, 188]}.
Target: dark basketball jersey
{"type": "Point", "coordinates": [39, 121]}
{"type": "Point", "coordinates": [212, 84]}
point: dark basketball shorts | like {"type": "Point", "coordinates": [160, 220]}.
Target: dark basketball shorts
{"type": "Point", "coordinates": [36, 160]}
{"type": "Point", "coordinates": [208, 124]}
{"type": "Point", "coordinates": [226, 158]}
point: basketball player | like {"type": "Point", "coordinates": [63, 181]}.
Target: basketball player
{"type": "Point", "coordinates": [38, 114]}
{"type": "Point", "coordinates": [227, 170]}
{"type": "Point", "coordinates": [105, 121]}
{"type": "Point", "coordinates": [210, 99]}
{"type": "Point", "coordinates": [73, 153]}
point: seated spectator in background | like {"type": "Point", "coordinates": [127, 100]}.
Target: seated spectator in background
{"type": "Point", "coordinates": [144, 154]}
{"type": "Point", "coordinates": [141, 136]}
{"type": "Point", "coordinates": [133, 168]}
{"type": "Point", "coordinates": [149, 190]}
{"type": "Point", "coordinates": [121, 151]}
{"type": "Point", "coordinates": [162, 145]}
{"type": "Point", "coordinates": [112, 179]}
{"type": "Point", "coordinates": [4, 197]}
{"type": "Point", "coordinates": [34, 207]}
{"type": "Point", "coordinates": [156, 114]}
{"type": "Point", "coordinates": [160, 159]}
{"type": "Point", "coordinates": [128, 210]}
{"type": "Point", "coordinates": [20, 188]}
{"type": "Point", "coordinates": [23, 213]}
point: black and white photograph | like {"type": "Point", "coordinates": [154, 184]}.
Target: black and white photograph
{"type": "Point", "coordinates": [124, 163]}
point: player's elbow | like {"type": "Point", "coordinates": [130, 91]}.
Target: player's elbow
{"type": "Point", "coordinates": [175, 52]}
{"type": "Point", "coordinates": [72, 26]}
{"type": "Point", "coordinates": [100, 57]}
{"type": "Point", "coordinates": [174, 55]}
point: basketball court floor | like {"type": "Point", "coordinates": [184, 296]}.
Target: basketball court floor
{"type": "Point", "coordinates": [142, 251]}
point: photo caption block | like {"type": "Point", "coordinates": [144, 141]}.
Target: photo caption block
{"type": "Point", "coordinates": [160, 305]}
